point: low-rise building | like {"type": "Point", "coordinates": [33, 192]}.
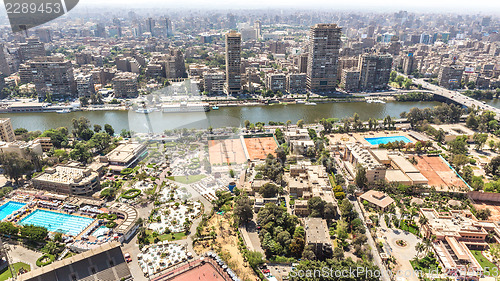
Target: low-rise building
{"type": "Point", "coordinates": [105, 262]}
{"type": "Point", "coordinates": [68, 179]}
{"type": "Point", "coordinates": [318, 237]}
{"type": "Point", "coordinates": [355, 154]}
{"type": "Point", "coordinates": [126, 155]}
{"type": "Point", "coordinates": [452, 131]}
{"type": "Point", "coordinates": [456, 233]}
{"type": "Point", "coordinates": [377, 199]}
{"type": "Point", "coordinates": [22, 148]}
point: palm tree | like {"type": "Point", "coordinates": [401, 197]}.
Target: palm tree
{"type": "Point", "coordinates": [419, 248]}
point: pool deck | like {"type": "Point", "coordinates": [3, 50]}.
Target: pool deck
{"type": "Point", "coordinates": [360, 137]}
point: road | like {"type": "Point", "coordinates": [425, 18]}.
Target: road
{"type": "Point", "coordinates": [376, 256]}
{"type": "Point", "coordinates": [455, 96]}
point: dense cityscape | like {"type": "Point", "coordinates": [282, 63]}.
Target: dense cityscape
{"type": "Point", "coordinates": [250, 144]}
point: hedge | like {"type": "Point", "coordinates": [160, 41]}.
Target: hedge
{"type": "Point", "coordinates": [110, 224]}
{"type": "Point", "coordinates": [131, 193]}
{"type": "Point", "coordinates": [48, 260]}
{"type": "Point", "coordinates": [110, 217]}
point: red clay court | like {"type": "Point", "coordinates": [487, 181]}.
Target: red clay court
{"type": "Point", "coordinates": [226, 151]}
{"type": "Point", "coordinates": [259, 148]}
{"type": "Point", "coordinates": [438, 172]}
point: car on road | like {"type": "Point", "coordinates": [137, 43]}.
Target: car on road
{"type": "Point", "coordinates": [128, 258]}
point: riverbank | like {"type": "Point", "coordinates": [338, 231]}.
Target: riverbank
{"type": "Point", "coordinates": [224, 117]}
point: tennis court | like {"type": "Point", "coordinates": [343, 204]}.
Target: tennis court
{"type": "Point", "coordinates": [439, 174]}
{"type": "Point", "coordinates": [259, 148]}
{"type": "Point", "coordinates": [227, 151]}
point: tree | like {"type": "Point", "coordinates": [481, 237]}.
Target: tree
{"type": "Point", "coordinates": [109, 129]}
{"type": "Point", "coordinates": [492, 168]}
{"type": "Point", "coordinates": [483, 214]}
{"type": "Point", "coordinates": [269, 190]}
{"type": "Point", "coordinates": [347, 210]}
{"type": "Point", "coordinates": [14, 166]}
{"type": "Point", "coordinates": [458, 145]}
{"type": "Point", "coordinates": [330, 211]}
{"type": "Point", "coordinates": [79, 126]}
{"type": "Point", "coordinates": [81, 153]}
{"type": "Point", "coordinates": [308, 253]}
{"type": "Point", "coordinates": [8, 228]}
{"type": "Point", "coordinates": [300, 123]}
{"type": "Point", "coordinates": [34, 233]}
{"type": "Point", "coordinates": [316, 207]}
{"type": "Point", "coordinates": [361, 180]}
{"type": "Point", "coordinates": [360, 239]}
{"type": "Point", "coordinates": [255, 258]}
{"type": "Point", "coordinates": [97, 128]}
{"type": "Point", "coordinates": [125, 133]}
{"type": "Point", "coordinates": [280, 137]}
{"type": "Point", "coordinates": [480, 140]}
{"type": "Point", "coordinates": [100, 141]}
{"type": "Point", "coordinates": [243, 210]}
{"type": "Point", "coordinates": [20, 131]}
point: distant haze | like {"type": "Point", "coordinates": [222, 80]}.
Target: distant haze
{"type": "Point", "coordinates": [430, 6]}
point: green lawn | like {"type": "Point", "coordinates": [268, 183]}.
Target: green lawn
{"type": "Point", "coordinates": [163, 237]}
{"type": "Point", "coordinates": [5, 274]}
{"type": "Point", "coordinates": [484, 262]}
{"type": "Point", "coordinates": [186, 179]}
{"type": "Point", "coordinates": [411, 229]}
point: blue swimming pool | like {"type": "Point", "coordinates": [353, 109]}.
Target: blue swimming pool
{"type": "Point", "coordinates": [9, 208]}
{"type": "Point", "coordinates": [57, 222]}
{"type": "Point", "coordinates": [384, 140]}
{"type": "Point", "coordinates": [100, 231]}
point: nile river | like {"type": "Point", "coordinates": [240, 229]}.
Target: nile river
{"type": "Point", "coordinates": [225, 116]}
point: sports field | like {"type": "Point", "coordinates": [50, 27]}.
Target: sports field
{"type": "Point", "coordinates": [439, 174]}
{"type": "Point", "coordinates": [259, 148]}
{"type": "Point", "coordinates": [228, 151]}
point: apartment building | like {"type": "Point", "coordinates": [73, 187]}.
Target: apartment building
{"type": "Point", "coordinates": [317, 236]}
{"type": "Point", "coordinates": [213, 82]}
{"type": "Point", "coordinates": [52, 75]}
{"type": "Point", "coordinates": [296, 82]}
{"type": "Point", "coordinates": [450, 76]}
{"type": "Point", "coordinates": [31, 49]}
{"type": "Point", "coordinates": [6, 130]}
{"type": "Point", "coordinates": [233, 63]}
{"type": "Point", "coordinates": [276, 82]}
{"type": "Point", "coordinates": [374, 71]}
{"type": "Point", "coordinates": [324, 46]}
{"type": "Point", "coordinates": [125, 85]}
{"type": "Point", "coordinates": [355, 154]}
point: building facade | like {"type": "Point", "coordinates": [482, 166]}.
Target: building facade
{"type": "Point", "coordinates": [375, 71]}
{"type": "Point", "coordinates": [125, 85]}
{"type": "Point", "coordinates": [233, 63]}
{"type": "Point", "coordinates": [322, 63]}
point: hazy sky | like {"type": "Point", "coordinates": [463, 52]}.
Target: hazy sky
{"type": "Point", "coordinates": [463, 6]}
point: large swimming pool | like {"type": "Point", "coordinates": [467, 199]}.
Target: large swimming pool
{"type": "Point", "coordinates": [9, 208]}
{"type": "Point", "coordinates": [57, 222]}
{"type": "Point", "coordinates": [384, 140]}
